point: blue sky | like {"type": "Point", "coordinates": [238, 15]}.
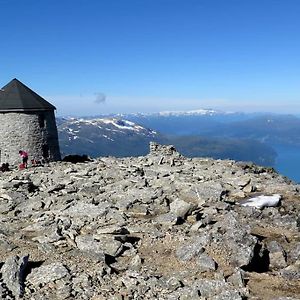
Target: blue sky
{"type": "Point", "coordinates": [91, 57]}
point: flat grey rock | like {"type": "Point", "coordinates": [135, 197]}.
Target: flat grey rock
{"type": "Point", "coordinates": [205, 262]}
{"type": "Point", "coordinates": [180, 208]}
{"type": "Point", "coordinates": [13, 274]}
{"type": "Point", "coordinates": [277, 255]}
{"type": "Point", "coordinates": [46, 274]}
{"type": "Point", "coordinates": [192, 248]}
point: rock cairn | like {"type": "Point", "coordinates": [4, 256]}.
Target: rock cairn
{"type": "Point", "coordinates": [160, 226]}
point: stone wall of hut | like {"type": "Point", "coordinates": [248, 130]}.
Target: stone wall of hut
{"type": "Point", "coordinates": [33, 132]}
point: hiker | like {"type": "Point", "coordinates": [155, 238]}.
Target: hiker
{"type": "Point", "coordinates": [24, 156]}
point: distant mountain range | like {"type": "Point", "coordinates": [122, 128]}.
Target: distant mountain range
{"type": "Point", "coordinates": [104, 137]}
{"type": "Point", "coordinates": [129, 135]}
{"type": "Point", "coordinates": [271, 129]}
{"type": "Point", "coordinates": [196, 112]}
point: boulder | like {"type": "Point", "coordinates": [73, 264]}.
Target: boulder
{"type": "Point", "coordinates": [47, 274]}
{"type": "Point", "coordinates": [13, 274]}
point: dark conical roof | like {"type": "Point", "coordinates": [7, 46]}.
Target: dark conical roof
{"type": "Point", "coordinates": [16, 96]}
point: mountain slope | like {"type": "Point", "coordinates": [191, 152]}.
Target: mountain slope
{"type": "Point", "coordinates": [104, 137]}
{"type": "Point", "coordinates": [236, 149]}
{"type": "Point", "coordinates": [267, 128]}
{"type": "Point", "coordinates": [195, 122]}
{"type": "Point", "coordinates": [121, 138]}
{"type": "Point", "coordinates": [273, 129]}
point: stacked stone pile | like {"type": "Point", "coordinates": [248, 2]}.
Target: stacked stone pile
{"type": "Point", "coordinates": [156, 227]}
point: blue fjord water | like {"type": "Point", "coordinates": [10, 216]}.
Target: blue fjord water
{"type": "Point", "coordinates": [288, 161]}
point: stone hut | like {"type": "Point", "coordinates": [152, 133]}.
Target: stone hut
{"type": "Point", "coordinates": [27, 122]}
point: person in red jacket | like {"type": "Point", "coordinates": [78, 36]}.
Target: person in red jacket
{"type": "Point", "coordinates": [24, 157]}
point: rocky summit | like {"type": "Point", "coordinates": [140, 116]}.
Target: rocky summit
{"type": "Point", "coordinates": [160, 226]}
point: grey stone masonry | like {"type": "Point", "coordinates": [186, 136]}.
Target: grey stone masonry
{"type": "Point", "coordinates": [165, 150]}
{"type": "Point", "coordinates": [34, 132]}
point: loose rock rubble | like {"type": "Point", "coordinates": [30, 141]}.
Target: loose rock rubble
{"type": "Point", "coordinates": [160, 226]}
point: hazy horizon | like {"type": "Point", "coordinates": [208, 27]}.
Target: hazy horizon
{"type": "Point", "coordinates": [86, 106]}
{"type": "Point", "coordinates": [100, 114]}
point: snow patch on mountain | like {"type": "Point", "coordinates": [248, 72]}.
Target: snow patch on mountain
{"type": "Point", "coordinates": [195, 112]}
{"type": "Point", "coordinates": [103, 136]}
{"type": "Point", "coordinates": [122, 124]}
{"type": "Point", "coordinates": [177, 113]}
{"type": "Point", "coordinates": [104, 127]}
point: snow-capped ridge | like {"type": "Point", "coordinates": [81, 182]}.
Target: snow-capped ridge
{"type": "Point", "coordinates": [102, 128]}
{"type": "Point", "coordinates": [189, 112]}
{"type": "Point", "coordinates": [178, 113]}
{"type": "Point", "coordinates": [121, 124]}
